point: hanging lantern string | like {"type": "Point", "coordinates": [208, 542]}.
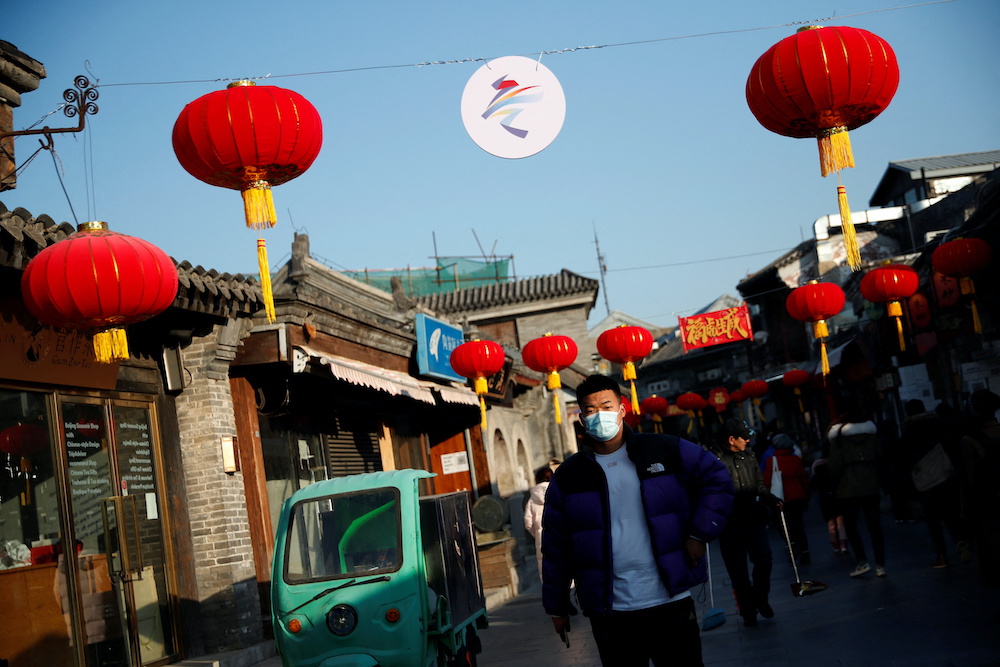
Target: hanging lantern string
{"type": "Point", "coordinates": [551, 52]}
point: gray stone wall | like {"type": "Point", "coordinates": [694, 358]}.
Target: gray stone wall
{"type": "Point", "coordinates": [220, 531]}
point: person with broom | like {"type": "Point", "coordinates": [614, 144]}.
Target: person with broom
{"type": "Point", "coordinates": [745, 533]}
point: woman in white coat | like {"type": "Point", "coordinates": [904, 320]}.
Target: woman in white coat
{"type": "Point", "coordinates": [533, 510]}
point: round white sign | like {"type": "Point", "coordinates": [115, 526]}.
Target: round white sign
{"type": "Point", "coordinates": [513, 107]}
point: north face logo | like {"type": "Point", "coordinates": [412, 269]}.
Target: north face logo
{"type": "Point", "coordinates": [656, 467]}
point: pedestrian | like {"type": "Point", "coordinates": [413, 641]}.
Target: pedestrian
{"type": "Point", "coordinates": [825, 489]}
{"type": "Point", "coordinates": [926, 435]}
{"type": "Point", "coordinates": [745, 534]}
{"type": "Point", "coordinates": [795, 484]}
{"type": "Point", "coordinates": [533, 510]}
{"type": "Point", "coordinates": [981, 451]}
{"type": "Point", "coordinates": [628, 518]}
{"type": "Point", "coordinates": [854, 464]}
{"type": "Point", "coordinates": [899, 481]}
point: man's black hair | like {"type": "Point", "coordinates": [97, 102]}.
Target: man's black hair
{"type": "Point", "coordinates": [595, 383]}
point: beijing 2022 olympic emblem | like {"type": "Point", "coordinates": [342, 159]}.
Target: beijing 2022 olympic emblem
{"type": "Point", "coordinates": [513, 107]}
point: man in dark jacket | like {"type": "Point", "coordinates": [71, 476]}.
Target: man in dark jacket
{"type": "Point", "coordinates": [628, 522]}
{"type": "Point", "coordinates": [745, 534]}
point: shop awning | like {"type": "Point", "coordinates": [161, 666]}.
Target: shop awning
{"type": "Point", "coordinates": [361, 374]}
{"type": "Point", "coordinates": [457, 395]}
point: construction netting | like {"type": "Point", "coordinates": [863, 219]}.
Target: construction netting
{"type": "Point", "coordinates": [451, 274]}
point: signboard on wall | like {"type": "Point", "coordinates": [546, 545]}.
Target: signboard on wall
{"type": "Point", "coordinates": [715, 328]}
{"type": "Point", "coordinates": [435, 342]}
{"type": "Point", "coordinates": [33, 352]}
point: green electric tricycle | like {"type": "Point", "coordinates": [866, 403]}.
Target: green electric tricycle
{"type": "Point", "coordinates": [367, 573]}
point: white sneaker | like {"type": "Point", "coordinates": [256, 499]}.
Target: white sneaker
{"type": "Point", "coordinates": [879, 571]}
{"type": "Point", "coordinates": [862, 568]}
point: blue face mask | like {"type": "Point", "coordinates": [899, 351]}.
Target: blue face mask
{"type": "Point", "coordinates": [602, 425]}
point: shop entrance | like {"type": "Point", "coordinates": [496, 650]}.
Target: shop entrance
{"type": "Point", "coordinates": [120, 584]}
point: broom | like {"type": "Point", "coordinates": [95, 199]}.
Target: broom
{"type": "Point", "coordinates": [799, 587]}
{"type": "Point", "coordinates": [715, 616]}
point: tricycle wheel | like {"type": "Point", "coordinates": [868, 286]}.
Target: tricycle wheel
{"type": "Point", "coordinates": [465, 657]}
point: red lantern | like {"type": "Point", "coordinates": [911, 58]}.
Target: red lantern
{"type": "Point", "coordinates": [23, 440]}
{"type": "Point", "coordinates": [816, 302]}
{"type": "Point", "coordinates": [99, 279]}
{"type": "Point", "coordinates": [249, 138]}
{"type": "Point", "coordinates": [550, 354]}
{"type": "Point", "coordinates": [631, 418]}
{"type": "Point", "coordinates": [889, 284]}
{"type": "Point", "coordinates": [718, 398]}
{"type": "Point", "coordinates": [691, 403]}
{"type": "Point", "coordinates": [656, 406]}
{"type": "Point", "coordinates": [625, 345]}
{"type": "Point", "coordinates": [822, 82]}
{"type": "Point", "coordinates": [959, 259]}
{"type": "Point", "coordinates": [795, 378]}
{"type": "Point", "coordinates": [737, 396]}
{"type": "Point", "coordinates": [477, 360]}
{"type": "Point", "coordinates": [755, 389]}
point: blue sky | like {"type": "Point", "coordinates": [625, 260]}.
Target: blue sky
{"type": "Point", "coordinates": [658, 151]}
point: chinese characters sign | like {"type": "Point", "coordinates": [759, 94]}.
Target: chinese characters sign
{"type": "Point", "coordinates": [715, 328]}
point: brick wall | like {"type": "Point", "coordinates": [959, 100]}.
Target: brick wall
{"type": "Point", "coordinates": [220, 531]}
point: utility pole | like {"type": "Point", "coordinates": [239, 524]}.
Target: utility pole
{"type": "Point", "coordinates": [604, 269]}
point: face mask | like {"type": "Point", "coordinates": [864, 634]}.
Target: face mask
{"type": "Point", "coordinates": [602, 425]}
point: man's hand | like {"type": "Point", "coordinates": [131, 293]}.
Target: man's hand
{"type": "Point", "coordinates": [561, 624]}
{"type": "Point", "coordinates": [695, 551]}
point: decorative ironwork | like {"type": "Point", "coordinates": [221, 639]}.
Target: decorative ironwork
{"type": "Point", "coordinates": [79, 102]}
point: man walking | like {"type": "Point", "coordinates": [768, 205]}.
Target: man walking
{"type": "Point", "coordinates": [745, 534]}
{"type": "Point", "coordinates": [628, 522]}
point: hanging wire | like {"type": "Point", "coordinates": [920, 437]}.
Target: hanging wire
{"type": "Point", "coordinates": [538, 53]}
{"type": "Point", "coordinates": [57, 163]}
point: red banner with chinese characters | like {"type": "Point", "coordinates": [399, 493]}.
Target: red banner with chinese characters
{"type": "Point", "coordinates": [715, 328]}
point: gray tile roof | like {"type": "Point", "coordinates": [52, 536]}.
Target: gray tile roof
{"type": "Point", "coordinates": [900, 174]}
{"type": "Point", "coordinates": [23, 236]}
{"type": "Point", "coordinates": [564, 283]}
{"type": "Point", "coordinates": [940, 162]}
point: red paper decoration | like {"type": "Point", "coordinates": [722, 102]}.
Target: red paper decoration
{"type": "Point", "coordinates": [625, 345]}
{"type": "Point", "coordinates": [99, 279]}
{"type": "Point", "coordinates": [477, 360]}
{"type": "Point", "coordinates": [889, 284]}
{"type": "Point", "coordinates": [550, 354]}
{"type": "Point", "coordinates": [718, 398]}
{"type": "Point", "coordinates": [822, 82]}
{"type": "Point", "coordinates": [816, 302]}
{"type": "Point", "coordinates": [959, 259]}
{"type": "Point", "coordinates": [249, 138]}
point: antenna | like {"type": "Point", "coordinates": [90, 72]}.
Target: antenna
{"type": "Point", "coordinates": [603, 268]}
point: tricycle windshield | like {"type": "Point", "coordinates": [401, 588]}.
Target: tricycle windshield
{"type": "Point", "coordinates": [344, 535]}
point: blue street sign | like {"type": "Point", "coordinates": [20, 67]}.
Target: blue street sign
{"type": "Point", "coordinates": [435, 342]}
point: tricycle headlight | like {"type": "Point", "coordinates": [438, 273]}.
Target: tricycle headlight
{"type": "Point", "coordinates": [342, 620]}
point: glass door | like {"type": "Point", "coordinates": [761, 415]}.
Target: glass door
{"type": "Point", "coordinates": [116, 519]}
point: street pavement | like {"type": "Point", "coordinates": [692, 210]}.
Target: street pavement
{"type": "Point", "coordinates": [915, 616]}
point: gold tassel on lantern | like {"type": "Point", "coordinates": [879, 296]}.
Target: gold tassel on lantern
{"type": "Point", "coordinates": [895, 310]}
{"type": "Point", "coordinates": [258, 203]}
{"type": "Point", "coordinates": [554, 383]}
{"type": "Point", "coordinates": [481, 388]}
{"type": "Point", "coordinates": [110, 345]}
{"type": "Point", "coordinates": [835, 150]}
{"type": "Point", "coordinates": [820, 332]}
{"type": "Point", "coordinates": [265, 280]}
{"type": "Point", "coordinates": [968, 288]}
{"type": "Point", "coordinates": [628, 373]}
{"type": "Point", "coordinates": [847, 228]}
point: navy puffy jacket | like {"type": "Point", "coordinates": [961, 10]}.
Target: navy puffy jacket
{"type": "Point", "coordinates": [686, 492]}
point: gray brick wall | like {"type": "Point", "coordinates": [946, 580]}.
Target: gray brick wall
{"type": "Point", "coordinates": [220, 531]}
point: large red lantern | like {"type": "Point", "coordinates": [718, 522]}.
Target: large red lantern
{"type": "Point", "coordinates": [795, 378]}
{"type": "Point", "coordinates": [625, 345]}
{"type": "Point", "coordinates": [249, 138]}
{"type": "Point", "coordinates": [477, 360]}
{"type": "Point", "coordinates": [822, 82]}
{"type": "Point", "coordinates": [550, 354]}
{"type": "Point", "coordinates": [656, 406]}
{"type": "Point", "coordinates": [99, 279]}
{"type": "Point", "coordinates": [816, 302]}
{"type": "Point", "coordinates": [959, 259]}
{"type": "Point", "coordinates": [889, 284]}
